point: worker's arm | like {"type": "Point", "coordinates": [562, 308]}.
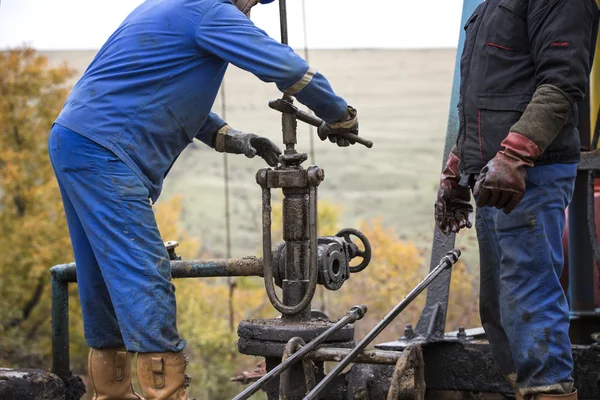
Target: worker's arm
{"type": "Point", "coordinates": [561, 45]}
{"type": "Point", "coordinates": [208, 132]}
{"type": "Point", "coordinates": [227, 33]}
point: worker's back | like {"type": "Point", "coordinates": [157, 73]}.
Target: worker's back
{"type": "Point", "coordinates": [150, 87]}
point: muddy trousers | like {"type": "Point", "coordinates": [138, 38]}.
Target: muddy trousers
{"type": "Point", "coordinates": [523, 308]}
{"type": "Point", "coordinates": [123, 269]}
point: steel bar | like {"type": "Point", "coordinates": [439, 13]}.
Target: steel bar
{"type": "Point", "coordinates": [351, 316]}
{"type": "Point", "coordinates": [446, 263]}
{"type": "Point", "coordinates": [286, 107]}
{"type": "Point", "coordinates": [60, 320]}
{"type": "Point", "coordinates": [245, 266]}
{"type": "Point", "coordinates": [366, 357]}
{"type": "Point", "coordinates": [440, 290]}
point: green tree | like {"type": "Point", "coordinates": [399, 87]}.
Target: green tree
{"type": "Point", "coordinates": [33, 231]}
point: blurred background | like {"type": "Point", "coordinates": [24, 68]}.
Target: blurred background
{"type": "Point", "coordinates": [393, 61]}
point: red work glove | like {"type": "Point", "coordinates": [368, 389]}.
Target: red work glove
{"type": "Point", "coordinates": [501, 183]}
{"type": "Point", "coordinates": [453, 209]}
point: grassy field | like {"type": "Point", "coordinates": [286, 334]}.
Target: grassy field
{"type": "Point", "coordinates": [402, 98]}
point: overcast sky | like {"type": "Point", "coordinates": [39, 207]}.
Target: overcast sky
{"type": "Point", "coordinates": [86, 24]}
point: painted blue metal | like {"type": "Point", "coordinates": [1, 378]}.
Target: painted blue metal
{"type": "Point", "coordinates": [433, 319]}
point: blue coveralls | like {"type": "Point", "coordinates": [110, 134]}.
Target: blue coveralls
{"type": "Point", "coordinates": [146, 95]}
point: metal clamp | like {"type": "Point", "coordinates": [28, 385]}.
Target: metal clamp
{"type": "Point", "coordinates": [292, 346]}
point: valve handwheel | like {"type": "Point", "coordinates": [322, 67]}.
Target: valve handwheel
{"type": "Point", "coordinates": [355, 251]}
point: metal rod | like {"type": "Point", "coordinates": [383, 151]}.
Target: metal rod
{"type": "Point", "coordinates": [245, 266]}
{"type": "Point", "coordinates": [284, 106]}
{"type": "Point", "coordinates": [283, 21]}
{"type": "Point", "coordinates": [366, 357]}
{"type": "Point", "coordinates": [446, 263]}
{"type": "Point", "coordinates": [60, 322]}
{"type": "Point", "coordinates": [355, 313]}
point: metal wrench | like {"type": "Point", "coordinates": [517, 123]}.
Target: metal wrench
{"type": "Point", "coordinates": [288, 108]}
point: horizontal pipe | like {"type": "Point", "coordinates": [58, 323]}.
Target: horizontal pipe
{"type": "Point", "coordinates": [366, 357]}
{"type": "Point", "coordinates": [245, 266]}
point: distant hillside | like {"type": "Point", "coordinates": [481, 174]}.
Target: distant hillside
{"type": "Point", "coordinates": [403, 100]}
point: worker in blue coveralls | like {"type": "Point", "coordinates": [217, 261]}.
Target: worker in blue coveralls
{"type": "Point", "coordinates": [524, 69]}
{"type": "Point", "coordinates": [146, 95]}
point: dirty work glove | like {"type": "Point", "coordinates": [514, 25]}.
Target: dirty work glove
{"type": "Point", "coordinates": [453, 209]}
{"type": "Point", "coordinates": [501, 183]}
{"type": "Point", "coordinates": [228, 140]}
{"type": "Point", "coordinates": [348, 124]}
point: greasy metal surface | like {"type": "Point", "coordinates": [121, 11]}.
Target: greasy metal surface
{"type": "Point", "coordinates": [279, 330]}
{"type": "Point", "coordinates": [26, 384]}
{"type": "Point", "coordinates": [256, 347]}
{"type": "Point", "coordinates": [411, 359]}
{"type": "Point", "coordinates": [300, 237]}
{"type": "Point", "coordinates": [308, 367]}
{"type": "Point", "coordinates": [445, 263]}
{"type": "Point", "coordinates": [365, 357]}
{"type": "Point", "coordinates": [470, 367]}
{"type": "Point", "coordinates": [355, 313]}
{"type": "Point", "coordinates": [60, 320]}
{"type": "Point", "coordinates": [245, 266]}
{"type": "Point", "coordinates": [439, 290]}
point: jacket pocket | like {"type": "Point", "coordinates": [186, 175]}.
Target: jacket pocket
{"type": "Point", "coordinates": [507, 27]}
{"type": "Point", "coordinates": [496, 114]}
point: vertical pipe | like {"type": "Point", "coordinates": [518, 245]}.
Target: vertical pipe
{"type": "Point", "coordinates": [438, 292]}
{"type": "Point", "coordinates": [60, 324]}
{"type": "Point", "coordinates": [581, 264]}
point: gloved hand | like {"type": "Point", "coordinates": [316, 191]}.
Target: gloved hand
{"type": "Point", "coordinates": [229, 140]}
{"type": "Point", "coordinates": [501, 183]}
{"type": "Point", "coordinates": [348, 124]}
{"type": "Point", "coordinates": [453, 209]}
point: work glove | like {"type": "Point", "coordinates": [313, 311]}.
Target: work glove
{"type": "Point", "coordinates": [230, 141]}
{"type": "Point", "coordinates": [348, 124]}
{"type": "Point", "coordinates": [453, 209]}
{"type": "Point", "coordinates": [501, 183]}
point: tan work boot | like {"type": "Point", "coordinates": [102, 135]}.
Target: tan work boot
{"type": "Point", "coordinates": [110, 374]}
{"type": "Point", "coordinates": [571, 396]}
{"type": "Point", "coordinates": [162, 376]}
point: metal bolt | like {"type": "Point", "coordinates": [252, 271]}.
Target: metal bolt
{"type": "Point", "coordinates": [462, 334]}
{"type": "Point", "coordinates": [409, 333]}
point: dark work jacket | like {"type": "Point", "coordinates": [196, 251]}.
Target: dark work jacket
{"type": "Point", "coordinates": [511, 48]}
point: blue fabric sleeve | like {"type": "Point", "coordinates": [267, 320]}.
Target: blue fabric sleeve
{"type": "Point", "coordinates": [210, 127]}
{"type": "Point", "coordinates": [228, 34]}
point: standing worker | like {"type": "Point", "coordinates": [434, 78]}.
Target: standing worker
{"type": "Point", "coordinates": [524, 68]}
{"type": "Point", "coordinates": [146, 95]}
